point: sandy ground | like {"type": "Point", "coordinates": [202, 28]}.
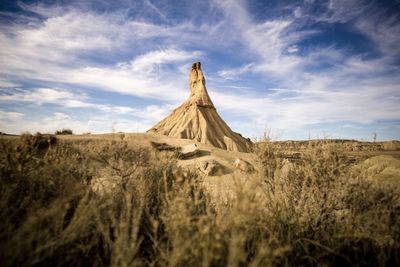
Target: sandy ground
{"type": "Point", "coordinates": [380, 166]}
{"type": "Point", "coordinates": [207, 152]}
{"type": "Point", "coordinates": [222, 185]}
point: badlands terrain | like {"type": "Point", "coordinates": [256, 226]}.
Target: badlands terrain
{"type": "Point", "coordinates": [380, 160]}
{"type": "Point", "coordinates": [191, 192]}
{"type": "Point", "coordinates": [136, 200]}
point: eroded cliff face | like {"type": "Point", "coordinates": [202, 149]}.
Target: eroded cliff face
{"type": "Point", "coordinates": [197, 85]}
{"type": "Point", "coordinates": [197, 119]}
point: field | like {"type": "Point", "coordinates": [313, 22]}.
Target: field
{"type": "Point", "coordinates": [114, 200]}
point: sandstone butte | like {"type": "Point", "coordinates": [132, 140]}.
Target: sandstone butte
{"type": "Point", "coordinates": [197, 119]}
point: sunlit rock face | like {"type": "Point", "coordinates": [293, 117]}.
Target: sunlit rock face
{"type": "Point", "coordinates": [198, 90]}
{"type": "Point", "coordinates": [197, 119]}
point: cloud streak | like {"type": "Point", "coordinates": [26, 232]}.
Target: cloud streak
{"type": "Point", "coordinates": [67, 99]}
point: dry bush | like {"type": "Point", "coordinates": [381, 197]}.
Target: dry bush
{"type": "Point", "coordinates": [328, 214]}
{"type": "Point", "coordinates": [64, 132]}
{"type": "Point", "coordinates": [52, 216]}
{"type": "Point", "coordinates": [38, 181]}
{"type": "Point", "coordinates": [309, 210]}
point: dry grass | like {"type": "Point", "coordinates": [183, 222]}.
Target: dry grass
{"type": "Point", "coordinates": [314, 211]}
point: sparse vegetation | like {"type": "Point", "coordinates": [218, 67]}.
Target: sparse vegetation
{"type": "Point", "coordinates": [310, 210]}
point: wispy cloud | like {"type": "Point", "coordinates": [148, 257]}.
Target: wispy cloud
{"type": "Point", "coordinates": [62, 98]}
{"type": "Point", "coordinates": [151, 61]}
{"type": "Point", "coordinates": [10, 115]}
{"type": "Point", "coordinates": [5, 83]}
{"type": "Point", "coordinates": [43, 52]}
{"type": "Point", "coordinates": [372, 19]}
{"type": "Point", "coordinates": [345, 90]}
{"type": "Point", "coordinates": [231, 74]}
{"type": "Point", "coordinates": [67, 99]}
{"type": "Point", "coordinates": [16, 123]}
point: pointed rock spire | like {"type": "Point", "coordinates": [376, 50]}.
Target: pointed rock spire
{"type": "Point", "coordinates": [197, 85]}
{"type": "Point", "coordinates": [198, 119]}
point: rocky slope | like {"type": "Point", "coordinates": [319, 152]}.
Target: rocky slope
{"type": "Point", "coordinates": [197, 119]}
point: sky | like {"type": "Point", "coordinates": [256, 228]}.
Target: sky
{"type": "Point", "coordinates": [293, 69]}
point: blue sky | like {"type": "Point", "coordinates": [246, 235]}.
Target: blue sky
{"type": "Point", "coordinates": [299, 69]}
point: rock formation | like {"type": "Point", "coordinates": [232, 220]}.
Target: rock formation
{"type": "Point", "coordinates": [209, 167]}
{"type": "Point", "coordinates": [197, 119]}
{"type": "Point", "coordinates": [189, 151]}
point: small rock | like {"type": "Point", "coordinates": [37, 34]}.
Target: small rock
{"type": "Point", "coordinates": [243, 165]}
{"type": "Point", "coordinates": [189, 151]}
{"type": "Point", "coordinates": [209, 167]}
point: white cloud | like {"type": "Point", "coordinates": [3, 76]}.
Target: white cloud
{"type": "Point", "coordinates": [59, 49]}
{"type": "Point", "coordinates": [119, 78]}
{"type": "Point", "coordinates": [10, 115]}
{"type": "Point", "coordinates": [297, 12]}
{"type": "Point", "coordinates": [149, 61]}
{"type": "Point", "coordinates": [370, 19]}
{"type": "Point", "coordinates": [49, 123]}
{"type": "Point", "coordinates": [293, 49]}
{"type": "Point", "coordinates": [6, 83]}
{"type": "Point", "coordinates": [266, 41]}
{"type": "Point", "coordinates": [48, 95]}
{"type": "Point", "coordinates": [385, 35]}
{"type": "Point", "coordinates": [324, 85]}
{"type": "Point", "coordinates": [156, 10]}
{"type": "Point", "coordinates": [304, 108]}
{"type": "Point", "coordinates": [66, 99]}
{"type": "Point", "coordinates": [231, 74]}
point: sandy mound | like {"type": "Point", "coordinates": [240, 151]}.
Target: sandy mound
{"type": "Point", "coordinates": [197, 119]}
{"type": "Point", "coordinates": [222, 183]}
